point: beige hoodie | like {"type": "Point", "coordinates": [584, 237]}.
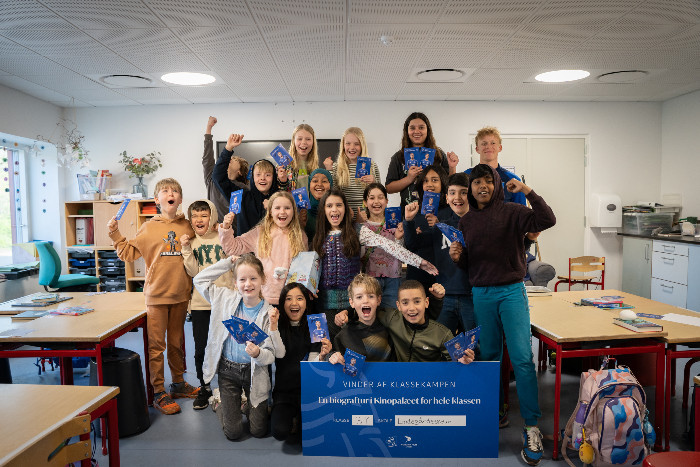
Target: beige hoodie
{"type": "Point", "coordinates": [202, 252]}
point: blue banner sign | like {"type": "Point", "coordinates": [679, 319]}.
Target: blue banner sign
{"type": "Point", "coordinates": [442, 410]}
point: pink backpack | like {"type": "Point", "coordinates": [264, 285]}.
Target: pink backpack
{"type": "Point", "coordinates": [612, 414]}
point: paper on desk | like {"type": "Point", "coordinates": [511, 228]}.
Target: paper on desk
{"type": "Point", "coordinates": [682, 319]}
{"type": "Point", "coordinates": [15, 332]}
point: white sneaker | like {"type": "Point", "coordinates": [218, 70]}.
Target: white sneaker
{"type": "Point", "coordinates": [532, 446]}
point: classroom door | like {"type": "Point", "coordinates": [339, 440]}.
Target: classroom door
{"type": "Point", "coordinates": [554, 168]}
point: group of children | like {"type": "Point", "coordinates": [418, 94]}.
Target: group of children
{"type": "Point", "coordinates": [240, 262]}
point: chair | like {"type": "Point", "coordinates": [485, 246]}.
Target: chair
{"type": "Point", "coordinates": [55, 449]}
{"type": "Point", "coordinates": [583, 265]}
{"type": "Point", "coordinates": [50, 270]}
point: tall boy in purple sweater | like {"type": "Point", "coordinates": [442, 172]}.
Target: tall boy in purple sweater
{"type": "Point", "coordinates": [493, 232]}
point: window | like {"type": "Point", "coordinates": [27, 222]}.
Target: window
{"type": "Point", "coordinates": [12, 202]}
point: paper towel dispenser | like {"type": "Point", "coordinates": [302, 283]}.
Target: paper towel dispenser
{"type": "Point", "coordinates": [605, 210]}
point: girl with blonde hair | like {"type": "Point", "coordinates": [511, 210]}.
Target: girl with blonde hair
{"type": "Point", "coordinates": [275, 240]}
{"type": "Point", "coordinates": [352, 146]}
{"type": "Point", "coordinates": [304, 152]}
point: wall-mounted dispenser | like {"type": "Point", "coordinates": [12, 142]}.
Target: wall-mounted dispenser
{"type": "Point", "coordinates": [605, 210]}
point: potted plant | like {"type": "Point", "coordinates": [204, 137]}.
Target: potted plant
{"type": "Point", "coordinates": [140, 166]}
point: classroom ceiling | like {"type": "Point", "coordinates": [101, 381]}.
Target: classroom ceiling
{"type": "Point", "coordinates": [348, 50]}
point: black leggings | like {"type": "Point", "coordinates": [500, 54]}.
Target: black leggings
{"type": "Point", "coordinates": [200, 331]}
{"type": "Point", "coordinates": [281, 419]}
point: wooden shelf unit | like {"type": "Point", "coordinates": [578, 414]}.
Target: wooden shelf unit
{"type": "Point", "coordinates": [102, 212]}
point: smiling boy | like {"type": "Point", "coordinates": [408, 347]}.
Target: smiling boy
{"type": "Point", "coordinates": [198, 253]}
{"type": "Point", "coordinates": [167, 289]}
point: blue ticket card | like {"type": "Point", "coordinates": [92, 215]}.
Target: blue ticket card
{"type": "Point", "coordinates": [254, 334]}
{"type": "Point", "coordinates": [281, 156]}
{"type": "Point", "coordinates": [122, 208]}
{"type": "Point", "coordinates": [456, 346]}
{"type": "Point", "coordinates": [411, 157]}
{"type": "Point", "coordinates": [234, 205]}
{"type": "Point", "coordinates": [452, 234]}
{"type": "Point", "coordinates": [364, 165]}
{"type": "Point", "coordinates": [236, 327]}
{"type": "Point", "coordinates": [301, 198]}
{"type": "Point", "coordinates": [472, 337]}
{"type": "Point", "coordinates": [318, 327]}
{"type": "Point", "coordinates": [353, 362]}
{"type": "Point", "coordinates": [427, 157]}
{"type": "Point", "coordinates": [431, 201]}
{"type": "Point", "coordinates": [392, 217]}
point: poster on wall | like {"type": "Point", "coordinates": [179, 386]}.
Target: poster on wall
{"type": "Point", "coordinates": [421, 410]}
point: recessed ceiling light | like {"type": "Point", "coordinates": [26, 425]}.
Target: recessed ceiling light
{"type": "Point", "coordinates": [188, 79]}
{"type": "Point", "coordinates": [440, 75]}
{"type": "Point", "coordinates": [560, 76]}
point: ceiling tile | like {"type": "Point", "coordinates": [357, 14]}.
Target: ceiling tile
{"type": "Point", "coordinates": [552, 35]}
{"type": "Point", "coordinates": [302, 39]}
{"type": "Point", "coordinates": [202, 94]}
{"type": "Point", "coordinates": [311, 12]}
{"type": "Point", "coordinates": [413, 36]}
{"type": "Point", "coordinates": [588, 12]}
{"type": "Point", "coordinates": [139, 41]}
{"type": "Point", "coordinates": [193, 13]}
{"type": "Point", "coordinates": [470, 36]}
{"type": "Point", "coordinates": [381, 65]}
{"type": "Point", "coordinates": [490, 11]}
{"type": "Point", "coordinates": [633, 37]}
{"type": "Point", "coordinates": [395, 11]}
{"type": "Point", "coordinates": [29, 14]}
{"type": "Point", "coordinates": [115, 14]}
{"type": "Point", "coordinates": [152, 95]}
{"type": "Point", "coordinates": [208, 39]}
{"type": "Point", "coordinates": [664, 12]}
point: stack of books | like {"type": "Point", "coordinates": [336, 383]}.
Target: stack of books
{"type": "Point", "coordinates": [610, 301]}
{"type": "Point", "coordinates": [638, 325]}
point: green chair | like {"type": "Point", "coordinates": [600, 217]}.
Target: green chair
{"type": "Point", "coordinates": [50, 271]}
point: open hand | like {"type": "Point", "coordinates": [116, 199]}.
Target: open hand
{"type": "Point", "coordinates": [428, 267]}
{"type": "Point", "coordinates": [233, 141]}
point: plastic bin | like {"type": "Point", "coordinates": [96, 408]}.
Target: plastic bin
{"type": "Point", "coordinates": [122, 367]}
{"type": "Point", "coordinates": [111, 271]}
{"type": "Point", "coordinates": [81, 255]}
{"type": "Point", "coordinates": [86, 271]}
{"type": "Point", "coordinates": [111, 263]}
{"type": "Point", "coordinates": [82, 263]}
{"type": "Point", "coordinates": [107, 254]}
{"type": "Point", "coordinates": [644, 223]}
{"type": "Point", "coordinates": [112, 281]}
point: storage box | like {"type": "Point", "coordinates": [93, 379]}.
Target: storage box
{"type": "Point", "coordinates": [643, 223]}
{"type": "Point", "coordinates": [306, 270]}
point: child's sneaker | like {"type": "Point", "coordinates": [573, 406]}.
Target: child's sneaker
{"type": "Point", "coordinates": [165, 404]}
{"type": "Point", "coordinates": [202, 399]}
{"type": "Point", "coordinates": [183, 389]}
{"type": "Point", "coordinates": [532, 445]}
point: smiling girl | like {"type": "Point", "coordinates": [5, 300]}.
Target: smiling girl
{"type": "Point", "coordinates": [242, 368]}
{"type": "Point", "coordinates": [352, 146]}
{"type": "Point", "coordinates": [417, 132]}
{"type": "Point", "coordinates": [320, 182]}
{"type": "Point", "coordinates": [385, 268]}
{"type": "Point", "coordinates": [303, 150]}
{"type": "Point", "coordinates": [294, 333]}
{"type": "Point", "coordinates": [275, 240]}
{"type": "Point", "coordinates": [338, 244]}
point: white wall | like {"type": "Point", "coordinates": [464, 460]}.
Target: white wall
{"type": "Point", "coordinates": [624, 138]}
{"type": "Point", "coordinates": [680, 155]}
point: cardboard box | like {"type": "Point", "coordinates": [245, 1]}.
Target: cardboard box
{"type": "Point", "coordinates": [306, 270]}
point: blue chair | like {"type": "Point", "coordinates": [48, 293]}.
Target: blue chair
{"type": "Point", "coordinates": [50, 271]}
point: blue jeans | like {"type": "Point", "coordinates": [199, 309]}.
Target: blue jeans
{"type": "Point", "coordinates": [390, 291]}
{"type": "Point", "coordinates": [503, 310]}
{"type": "Point", "coordinates": [457, 313]}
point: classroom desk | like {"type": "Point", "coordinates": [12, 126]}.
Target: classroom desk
{"type": "Point", "coordinates": [80, 336]}
{"type": "Point", "coordinates": [36, 411]}
{"type": "Point", "coordinates": [565, 327]}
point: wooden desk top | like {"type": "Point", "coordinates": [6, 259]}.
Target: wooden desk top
{"type": "Point", "coordinates": [30, 412]}
{"type": "Point", "coordinates": [559, 319]}
{"type": "Point", "coordinates": [113, 311]}
{"type": "Point", "coordinates": [131, 300]}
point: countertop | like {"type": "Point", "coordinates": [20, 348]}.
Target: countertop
{"type": "Point", "coordinates": [664, 238]}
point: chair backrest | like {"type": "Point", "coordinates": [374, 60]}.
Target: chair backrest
{"type": "Point", "coordinates": [585, 264]}
{"type": "Point", "coordinates": [49, 264]}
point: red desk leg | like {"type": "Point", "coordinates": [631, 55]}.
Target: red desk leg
{"type": "Point", "coordinates": [696, 396]}
{"type": "Point", "coordinates": [557, 402]}
{"type": "Point", "coordinates": [113, 432]}
{"type": "Point", "coordinates": [67, 370]}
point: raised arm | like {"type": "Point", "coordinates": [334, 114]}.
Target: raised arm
{"type": "Point", "coordinates": [236, 246]}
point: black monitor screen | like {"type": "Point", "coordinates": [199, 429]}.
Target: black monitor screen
{"type": "Point", "coordinates": [253, 151]}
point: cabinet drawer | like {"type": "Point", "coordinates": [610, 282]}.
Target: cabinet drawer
{"type": "Point", "coordinates": [672, 268]}
{"type": "Point", "coordinates": [671, 248]}
{"type": "Point", "coordinates": [669, 293]}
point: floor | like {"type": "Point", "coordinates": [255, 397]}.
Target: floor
{"type": "Point", "coordinates": [194, 438]}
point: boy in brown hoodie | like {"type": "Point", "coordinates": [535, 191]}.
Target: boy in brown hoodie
{"type": "Point", "coordinates": [167, 289]}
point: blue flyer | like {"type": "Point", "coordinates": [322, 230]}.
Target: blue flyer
{"type": "Point", "coordinates": [254, 334]}
{"type": "Point", "coordinates": [472, 337]}
{"type": "Point", "coordinates": [427, 157]}
{"type": "Point", "coordinates": [364, 165]}
{"type": "Point", "coordinates": [122, 208]}
{"type": "Point", "coordinates": [431, 201]}
{"type": "Point", "coordinates": [318, 327]}
{"type": "Point", "coordinates": [235, 202]}
{"type": "Point", "coordinates": [236, 326]}
{"type": "Point", "coordinates": [417, 410]}
{"type": "Point", "coordinates": [392, 217]}
{"type": "Point", "coordinates": [451, 233]}
{"type": "Point", "coordinates": [353, 362]}
{"type": "Point", "coordinates": [301, 198]}
{"type": "Point", "coordinates": [410, 157]}
{"type": "Point", "coordinates": [281, 156]}
{"type": "Point", "coordinates": [456, 346]}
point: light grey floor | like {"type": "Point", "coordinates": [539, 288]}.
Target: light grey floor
{"type": "Point", "coordinates": [194, 438]}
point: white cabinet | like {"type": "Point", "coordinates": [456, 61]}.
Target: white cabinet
{"type": "Point", "coordinates": [670, 268]}
{"type": "Point", "coordinates": [636, 266]}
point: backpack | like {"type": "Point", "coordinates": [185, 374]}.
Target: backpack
{"type": "Point", "coordinates": [610, 423]}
